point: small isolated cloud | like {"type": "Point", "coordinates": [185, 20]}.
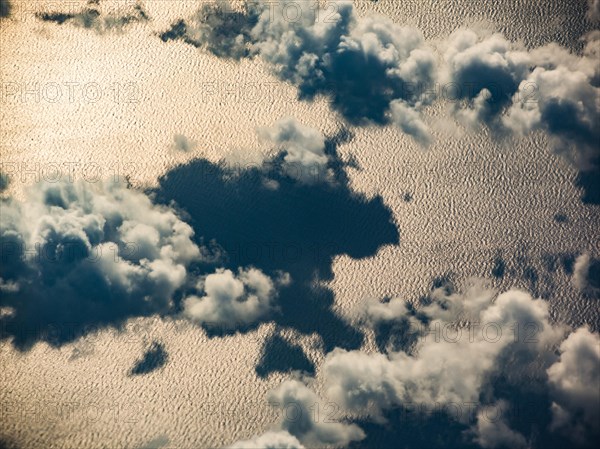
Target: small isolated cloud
{"type": "Point", "coordinates": [302, 149]}
{"type": "Point", "coordinates": [183, 144]}
{"type": "Point", "coordinates": [231, 300]}
{"type": "Point", "coordinates": [94, 17]}
{"type": "Point", "coordinates": [573, 382]}
{"type": "Point", "coordinates": [297, 401]}
{"type": "Point", "coordinates": [492, 431]}
{"type": "Point", "coordinates": [270, 440]}
{"type": "Point", "coordinates": [586, 274]}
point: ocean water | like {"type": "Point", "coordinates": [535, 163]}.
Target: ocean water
{"type": "Point", "coordinates": [459, 208]}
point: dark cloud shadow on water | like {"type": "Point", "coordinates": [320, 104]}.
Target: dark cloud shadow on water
{"type": "Point", "coordinates": [297, 228]}
{"type": "Point", "coordinates": [415, 427]}
{"type": "Point", "coordinates": [278, 355]}
{"type": "Point", "coordinates": [589, 181]}
{"type": "Point", "coordinates": [529, 412]}
{"type": "Point", "coordinates": [154, 358]}
{"type": "Point", "coordinates": [5, 8]}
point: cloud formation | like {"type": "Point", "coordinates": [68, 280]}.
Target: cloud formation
{"type": "Point", "coordinates": [298, 401]}
{"type": "Point", "coordinates": [573, 382]}
{"type": "Point", "coordinates": [78, 256]}
{"type": "Point", "coordinates": [492, 431]}
{"type": "Point", "coordinates": [231, 301]}
{"type": "Point", "coordinates": [361, 64]}
{"type": "Point", "coordinates": [89, 254]}
{"type": "Point", "coordinates": [93, 17]}
{"type": "Point", "coordinates": [485, 71]}
{"type": "Point", "coordinates": [566, 104]}
{"type": "Point", "coordinates": [302, 149]}
{"type": "Point", "coordinates": [586, 274]}
{"type": "Point", "coordinates": [300, 422]}
{"type": "Point", "coordinates": [443, 370]}
{"type": "Point", "coordinates": [467, 345]}
{"type": "Point", "coordinates": [515, 91]}
{"type": "Point", "coordinates": [217, 28]}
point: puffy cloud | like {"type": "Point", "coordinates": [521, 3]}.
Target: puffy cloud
{"type": "Point", "coordinates": [230, 301]}
{"type": "Point", "coordinates": [566, 102]}
{"type": "Point", "coordinates": [451, 363]}
{"type": "Point", "coordinates": [82, 254]}
{"type": "Point", "coordinates": [573, 382]}
{"type": "Point", "coordinates": [586, 274]}
{"type": "Point", "coordinates": [93, 17]}
{"type": "Point", "coordinates": [492, 431]}
{"type": "Point", "coordinates": [298, 403]}
{"type": "Point", "coordinates": [270, 440]}
{"type": "Point", "coordinates": [362, 64]}
{"type": "Point", "coordinates": [374, 312]}
{"type": "Point", "coordinates": [303, 149]}
{"type": "Point", "coordinates": [484, 71]}
{"type": "Point", "coordinates": [515, 91]}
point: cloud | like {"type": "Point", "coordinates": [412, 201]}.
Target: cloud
{"type": "Point", "coordinates": [573, 382]}
{"type": "Point", "coordinates": [492, 431]}
{"type": "Point", "coordinates": [298, 401]}
{"type": "Point", "coordinates": [514, 91]}
{"type": "Point", "coordinates": [300, 424]}
{"type": "Point", "coordinates": [231, 301]}
{"type": "Point", "coordinates": [361, 64]}
{"type": "Point", "coordinates": [302, 149]}
{"type": "Point", "coordinates": [586, 274]}
{"type": "Point", "coordinates": [93, 17]}
{"type": "Point", "coordinates": [217, 28]}
{"type": "Point", "coordinates": [485, 71]}
{"type": "Point", "coordinates": [566, 102]}
{"type": "Point", "coordinates": [270, 440]}
{"type": "Point", "coordinates": [451, 363]}
{"type": "Point", "coordinates": [410, 122]}
{"type": "Point", "coordinates": [183, 144]}
{"type": "Point", "coordinates": [80, 254]}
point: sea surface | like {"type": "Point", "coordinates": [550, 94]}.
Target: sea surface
{"type": "Point", "coordinates": [462, 207]}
